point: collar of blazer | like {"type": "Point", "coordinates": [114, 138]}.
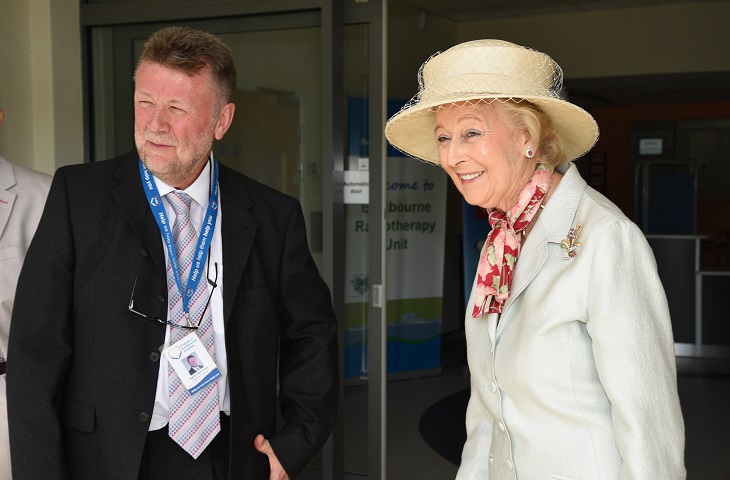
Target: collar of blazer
{"type": "Point", "coordinates": [7, 198]}
{"type": "Point", "coordinates": [133, 204]}
{"type": "Point", "coordinates": [7, 174]}
{"type": "Point", "coordinates": [555, 221]}
{"type": "Point", "coordinates": [238, 226]}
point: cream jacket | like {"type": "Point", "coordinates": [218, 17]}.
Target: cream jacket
{"type": "Point", "coordinates": [22, 196]}
{"type": "Point", "coordinates": [577, 380]}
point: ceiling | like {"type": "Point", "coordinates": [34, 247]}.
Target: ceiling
{"type": "Point", "coordinates": [649, 89]}
{"type": "Point", "coordinates": [587, 92]}
{"type": "Point", "coordinates": [474, 10]}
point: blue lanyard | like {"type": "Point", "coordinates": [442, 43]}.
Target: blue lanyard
{"type": "Point", "coordinates": [204, 238]}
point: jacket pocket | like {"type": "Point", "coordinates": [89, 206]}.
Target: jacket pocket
{"type": "Point", "coordinates": [78, 416]}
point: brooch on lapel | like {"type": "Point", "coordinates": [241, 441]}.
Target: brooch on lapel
{"type": "Point", "coordinates": [570, 244]}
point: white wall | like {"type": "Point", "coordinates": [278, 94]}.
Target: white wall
{"type": "Point", "coordinates": [40, 83]}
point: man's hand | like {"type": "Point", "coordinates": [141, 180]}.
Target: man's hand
{"type": "Point", "coordinates": [263, 446]}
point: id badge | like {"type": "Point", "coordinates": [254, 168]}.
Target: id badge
{"type": "Point", "coordinates": [192, 363]}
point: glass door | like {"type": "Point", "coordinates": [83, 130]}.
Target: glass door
{"type": "Point", "coordinates": [301, 74]}
{"type": "Point", "coordinates": [277, 134]}
{"type": "Point", "coordinates": [363, 279]}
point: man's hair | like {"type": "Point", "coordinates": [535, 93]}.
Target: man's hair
{"type": "Point", "coordinates": [190, 51]}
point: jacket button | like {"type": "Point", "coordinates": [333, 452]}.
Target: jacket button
{"type": "Point", "coordinates": [144, 416]}
{"type": "Point", "coordinates": [154, 356]}
{"type": "Point", "coordinates": [493, 387]}
{"type": "Point", "coordinates": [501, 426]}
{"type": "Point", "coordinates": [161, 298]}
{"type": "Point", "coordinates": [508, 464]}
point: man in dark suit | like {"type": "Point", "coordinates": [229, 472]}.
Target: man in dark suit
{"type": "Point", "coordinates": [103, 298]}
{"type": "Point", "coordinates": [193, 364]}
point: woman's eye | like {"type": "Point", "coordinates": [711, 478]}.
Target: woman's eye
{"type": "Point", "coordinates": [442, 138]}
{"type": "Point", "coordinates": [472, 134]}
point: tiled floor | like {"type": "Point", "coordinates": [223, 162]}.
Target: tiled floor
{"type": "Point", "coordinates": [704, 389]}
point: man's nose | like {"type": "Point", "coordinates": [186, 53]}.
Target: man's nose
{"type": "Point", "coordinates": [158, 120]}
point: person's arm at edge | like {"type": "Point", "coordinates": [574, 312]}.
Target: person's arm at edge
{"type": "Point", "coordinates": [629, 323]}
{"type": "Point", "coordinates": [40, 344]}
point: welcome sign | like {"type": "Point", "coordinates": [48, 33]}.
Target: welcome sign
{"type": "Point", "coordinates": [415, 212]}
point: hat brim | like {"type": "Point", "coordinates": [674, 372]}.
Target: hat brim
{"type": "Point", "coordinates": [412, 130]}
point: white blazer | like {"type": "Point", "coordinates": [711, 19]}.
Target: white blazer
{"type": "Point", "coordinates": [22, 197]}
{"type": "Point", "coordinates": [577, 380]}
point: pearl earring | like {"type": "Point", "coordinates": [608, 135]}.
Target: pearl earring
{"type": "Point", "coordinates": [529, 153]}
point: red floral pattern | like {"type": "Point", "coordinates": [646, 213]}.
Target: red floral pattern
{"type": "Point", "coordinates": [500, 251]}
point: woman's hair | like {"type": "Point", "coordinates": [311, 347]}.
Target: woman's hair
{"type": "Point", "coordinates": [525, 116]}
{"type": "Point", "coordinates": [190, 51]}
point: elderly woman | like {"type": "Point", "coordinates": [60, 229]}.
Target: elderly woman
{"type": "Point", "coordinates": [568, 334]}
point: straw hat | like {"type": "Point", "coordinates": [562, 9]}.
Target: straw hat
{"type": "Point", "coordinates": [487, 70]}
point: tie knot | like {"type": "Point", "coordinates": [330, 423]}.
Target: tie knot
{"type": "Point", "coordinates": [180, 202]}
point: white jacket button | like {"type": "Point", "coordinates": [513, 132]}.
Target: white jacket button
{"type": "Point", "coordinates": [493, 387]}
{"type": "Point", "coordinates": [508, 464]}
{"type": "Point", "coordinates": [501, 426]}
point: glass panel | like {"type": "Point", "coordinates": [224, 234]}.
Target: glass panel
{"type": "Point", "coordinates": [357, 247]}
{"type": "Point", "coordinates": [275, 137]}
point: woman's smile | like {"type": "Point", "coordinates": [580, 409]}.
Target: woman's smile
{"type": "Point", "coordinates": [471, 176]}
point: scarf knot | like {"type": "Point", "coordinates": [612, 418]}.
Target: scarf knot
{"type": "Point", "coordinates": [502, 247]}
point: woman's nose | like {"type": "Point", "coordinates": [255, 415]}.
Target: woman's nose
{"type": "Point", "coordinates": [452, 154]}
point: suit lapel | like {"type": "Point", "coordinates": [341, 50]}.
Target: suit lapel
{"type": "Point", "coordinates": [7, 199]}
{"type": "Point", "coordinates": [238, 227]}
{"type": "Point", "coordinates": [552, 227]}
{"type": "Point", "coordinates": [133, 203]}
{"type": "Point", "coordinates": [530, 261]}
{"type": "Point", "coordinates": [238, 230]}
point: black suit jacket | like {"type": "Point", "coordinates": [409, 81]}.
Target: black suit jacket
{"type": "Point", "coordinates": [81, 385]}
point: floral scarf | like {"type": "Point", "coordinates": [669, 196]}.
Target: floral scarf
{"type": "Point", "coordinates": [499, 254]}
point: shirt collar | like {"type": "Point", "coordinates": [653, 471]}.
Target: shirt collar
{"type": "Point", "coordinates": [198, 191]}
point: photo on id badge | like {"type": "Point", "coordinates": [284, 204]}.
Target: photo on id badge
{"type": "Point", "coordinates": [192, 363]}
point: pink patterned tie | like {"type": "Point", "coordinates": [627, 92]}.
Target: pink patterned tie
{"type": "Point", "coordinates": [194, 419]}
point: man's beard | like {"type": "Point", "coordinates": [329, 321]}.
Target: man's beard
{"type": "Point", "coordinates": [184, 163]}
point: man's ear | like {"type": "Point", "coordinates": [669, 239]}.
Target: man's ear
{"type": "Point", "coordinates": [225, 117]}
